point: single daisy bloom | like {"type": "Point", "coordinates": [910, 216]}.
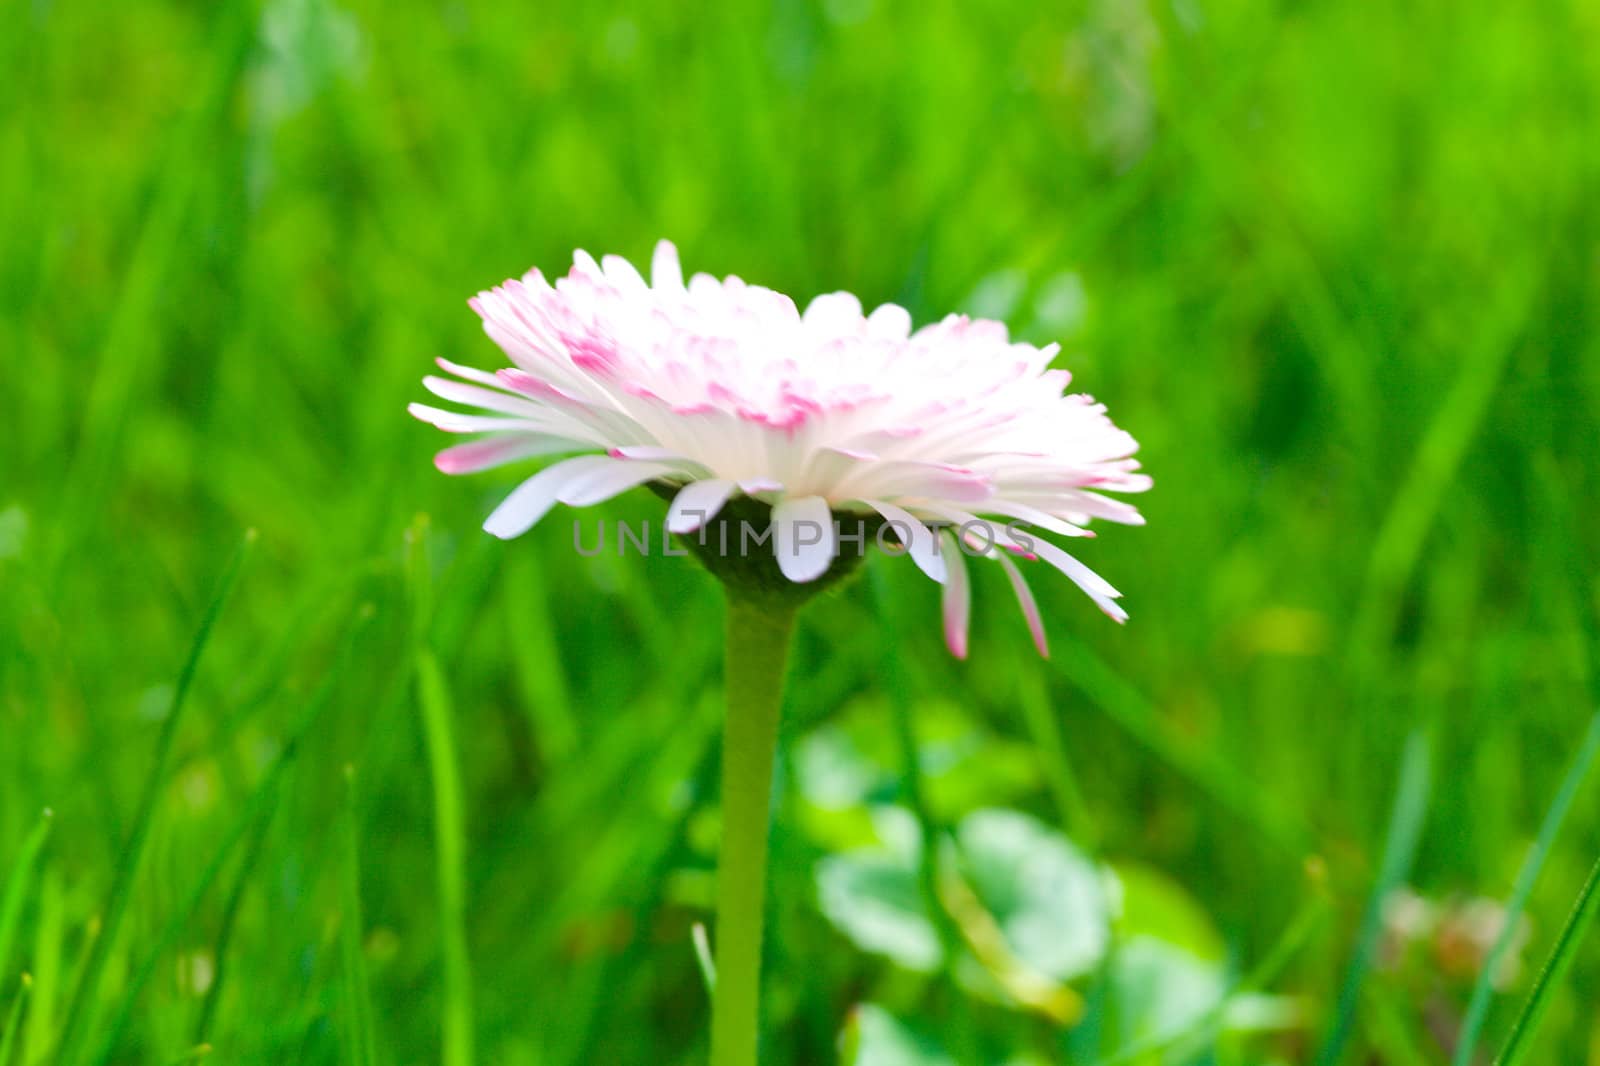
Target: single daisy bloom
{"type": "Point", "coordinates": [960, 441]}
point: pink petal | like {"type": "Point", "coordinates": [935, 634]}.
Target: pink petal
{"type": "Point", "coordinates": [648, 452]}
{"type": "Point", "coordinates": [497, 451]}
{"type": "Point", "coordinates": [956, 599]}
{"type": "Point", "coordinates": [475, 396]}
{"type": "Point", "coordinates": [1030, 607]}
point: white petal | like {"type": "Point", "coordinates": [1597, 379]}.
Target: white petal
{"type": "Point", "coordinates": [956, 599]}
{"type": "Point", "coordinates": [456, 422]}
{"type": "Point", "coordinates": [482, 377]}
{"type": "Point", "coordinates": [697, 503]}
{"type": "Point", "coordinates": [1086, 579]}
{"type": "Point", "coordinates": [576, 482]}
{"type": "Point", "coordinates": [532, 499]}
{"type": "Point", "coordinates": [1030, 515]}
{"type": "Point", "coordinates": [915, 478]}
{"type": "Point", "coordinates": [1099, 590]}
{"type": "Point", "coordinates": [923, 546]}
{"type": "Point", "coordinates": [600, 483]}
{"type": "Point", "coordinates": [890, 322]}
{"type": "Point", "coordinates": [834, 313]}
{"type": "Point", "coordinates": [803, 537]}
{"type": "Point", "coordinates": [665, 271]}
{"type": "Point", "coordinates": [623, 274]}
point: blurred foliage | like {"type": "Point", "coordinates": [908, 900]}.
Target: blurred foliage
{"type": "Point", "coordinates": [1336, 264]}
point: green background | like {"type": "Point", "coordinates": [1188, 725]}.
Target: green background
{"type": "Point", "coordinates": [1334, 264]}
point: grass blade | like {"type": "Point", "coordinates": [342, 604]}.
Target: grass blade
{"type": "Point", "coordinates": [46, 970]}
{"type": "Point", "coordinates": [88, 984]}
{"type": "Point", "coordinates": [17, 886]}
{"type": "Point", "coordinates": [702, 957]}
{"type": "Point", "coordinates": [1044, 727]}
{"type": "Point", "coordinates": [8, 1040]}
{"type": "Point", "coordinates": [1400, 848]}
{"type": "Point", "coordinates": [1483, 990]}
{"type": "Point", "coordinates": [230, 916]}
{"type": "Point", "coordinates": [1128, 709]}
{"type": "Point", "coordinates": [252, 820]}
{"type": "Point", "coordinates": [1554, 972]}
{"type": "Point", "coordinates": [359, 1028]}
{"type": "Point", "coordinates": [314, 707]}
{"type": "Point", "coordinates": [434, 700]}
{"type": "Point", "coordinates": [438, 716]}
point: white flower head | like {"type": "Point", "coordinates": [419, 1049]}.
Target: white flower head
{"type": "Point", "coordinates": [959, 440]}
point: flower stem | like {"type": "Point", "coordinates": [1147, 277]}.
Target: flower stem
{"type": "Point", "coordinates": [757, 651]}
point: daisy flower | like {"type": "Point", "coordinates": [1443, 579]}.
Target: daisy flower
{"type": "Point", "coordinates": [961, 441]}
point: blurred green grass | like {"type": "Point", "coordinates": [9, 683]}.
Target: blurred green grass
{"type": "Point", "coordinates": [1335, 264]}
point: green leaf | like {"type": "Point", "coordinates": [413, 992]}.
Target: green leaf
{"type": "Point", "coordinates": [1160, 989]}
{"type": "Point", "coordinates": [1154, 905]}
{"type": "Point", "coordinates": [1049, 898]}
{"type": "Point", "coordinates": [1169, 999]}
{"type": "Point", "coordinates": [874, 1037]}
{"type": "Point", "coordinates": [873, 898]}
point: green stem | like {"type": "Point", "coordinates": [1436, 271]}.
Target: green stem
{"type": "Point", "coordinates": [757, 651]}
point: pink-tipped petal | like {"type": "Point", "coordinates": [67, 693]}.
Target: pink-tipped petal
{"type": "Point", "coordinates": [1030, 607]}
{"type": "Point", "coordinates": [482, 377]}
{"type": "Point", "coordinates": [956, 598]}
{"type": "Point", "coordinates": [648, 452]}
{"type": "Point", "coordinates": [476, 396]}
{"type": "Point", "coordinates": [487, 454]}
{"type": "Point", "coordinates": [803, 538]}
{"type": "Point", "coordinates": [697, 503]}
{"type": "Point", "coordinates": [721, 385]}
